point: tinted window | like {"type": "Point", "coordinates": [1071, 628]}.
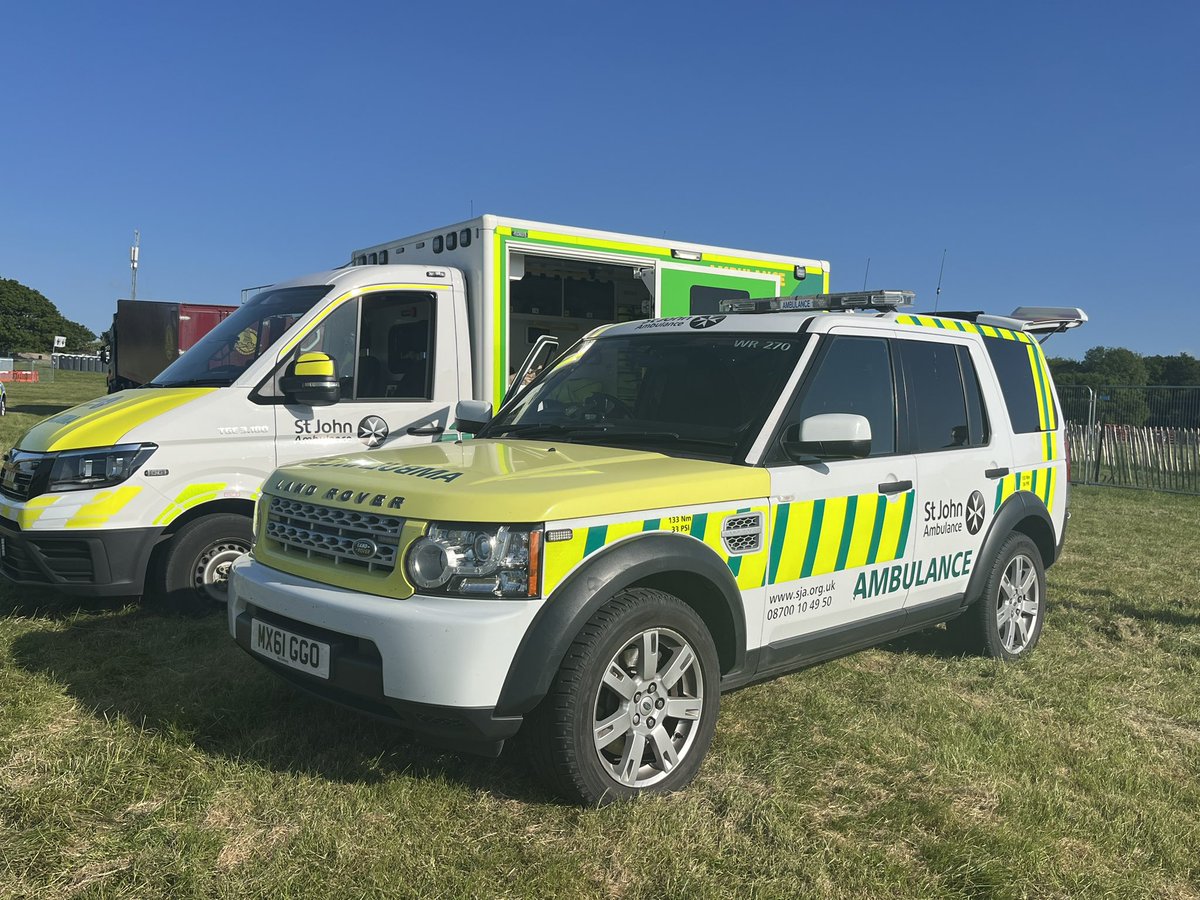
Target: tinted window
{"type": "Point", "coordinates": [1014, 369]}
{"type": "Point", "coordinates": [937, 408]}
{"type": "Point", "coordinates": [977, 418]}
{"type": "Point", "coordinates": [852, 375]}
{"type": "Point", "coordinates": [704, 300]}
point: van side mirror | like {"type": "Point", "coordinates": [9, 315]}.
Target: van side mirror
{"type": "Point", "coordinates": [311, 380]}
{"type": "Point", "coordinates": [471, 415]}
{"type": "Point", "coordinates": [828, 436]}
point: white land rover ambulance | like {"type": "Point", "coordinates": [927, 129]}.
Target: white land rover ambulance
{"type": "Point", "coordinates": [675, 508]}
{"type": "Point", "coordinates": [153, 488]}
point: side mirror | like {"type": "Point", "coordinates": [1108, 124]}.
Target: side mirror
{"type": "Point", "coordinates": [312, 380]}
{"type": "Point", "coordinates": [828, 436]}
{"type": "Point", "coordinates": [471, 415]}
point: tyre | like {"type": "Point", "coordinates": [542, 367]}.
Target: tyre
{"type": "Point", "coordinates": [634, 704]}
{"type": "Point", "coordinates": [191, 574]}
{"type": "Point", "coordinates": [1006, 622]}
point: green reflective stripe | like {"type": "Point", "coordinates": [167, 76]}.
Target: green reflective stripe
{"type": "Point", "coordinates": [847, 533]}
{"type": "Point", "coordinates": [699, 523]}
{"type": "Point", "coordinates": [651, 524]}
{"type": "Point", "coordinates": [814, 538]}
{"type": "Point", "coordinates": [595, 539]}
{"type": "Point", "coordinates": [781, 522]}
{"type": "Point", "coordinates": [877, 530]}
{"type": "Point", "coordinates": [735, 565]}
{"type": "Point", "coordinates": [999, 493]}
{"type": "Point", "coordinates": [902, 544]}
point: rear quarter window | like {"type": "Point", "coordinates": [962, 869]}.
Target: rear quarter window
{"type": "Point", "coordinates": [1016, 364]}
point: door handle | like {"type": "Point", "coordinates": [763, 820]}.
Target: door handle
{"type": "Point", "coordinates": [995, 473]}
{"type": "Point", "coordinates": [895, 487]}
{"type": "Point", "coordinates": [427, 432]}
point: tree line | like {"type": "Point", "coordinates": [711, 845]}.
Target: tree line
{"type": "Point", "coordinates": [29, 322]}
{"type": "Point", "coordinates": [1129, 388]}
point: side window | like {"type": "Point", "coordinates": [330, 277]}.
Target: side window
{"type": "Point", "coordinates": [1015, 365]}
{"type": "Point", "coordinates": [395, 347]}
{"type": "Point", "coordinates": [937, 404]}
{"type": "Point", "coordinates": [977, 417]}
{"type": "Point", "coordinates": [336, 335]}
{"type": "Point", "coordinates": [852, 375]}
{"type": "Point", "coordinates": [704, 300]}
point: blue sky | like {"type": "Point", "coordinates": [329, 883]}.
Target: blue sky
{"type": "Point", "coordinates": [1053, 149]}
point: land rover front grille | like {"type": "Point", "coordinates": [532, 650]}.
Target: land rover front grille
{"type": "Point", "coordinates": [346, 537]}
{"type": "Point", "coordinates": [743, 533]}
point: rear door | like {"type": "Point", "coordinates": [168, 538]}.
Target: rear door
{"type": "Point", "coordinates": [685, 290]}
{"type": "Point", "coordinates": [959, 456]}
{"type": "Point", "coordinates": [395, 354]}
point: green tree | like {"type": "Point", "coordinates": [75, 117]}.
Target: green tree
{"type": "Point", "coordinates": [29, 321]}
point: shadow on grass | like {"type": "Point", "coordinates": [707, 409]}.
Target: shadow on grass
{"type": "Point", "coordinates": [934, 641]}
{"type": "Point", "coordinates": [185, 680]}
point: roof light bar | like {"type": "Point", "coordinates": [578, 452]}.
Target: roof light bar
{"type": "Point", "coordinates": [883, 301]}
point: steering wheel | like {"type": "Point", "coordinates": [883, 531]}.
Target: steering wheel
{"type": "Point", "coordinates": [606, 405]}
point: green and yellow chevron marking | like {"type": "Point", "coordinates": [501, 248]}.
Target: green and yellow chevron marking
{"type": "Point", "coordinates": [816, 537]}
{"type": "Point", "coordinates": [1047, 418]}
{"type": "Point", "coordinates": [1040, 482]}
{"type": "Point", "coordinates": [106, 504]}
{"type": "Point", "coordinates": [947, 324]}
{"type": "Point", "coordinates": [748, 569]}
{"type": "Point", "coordinates": [193, 495]}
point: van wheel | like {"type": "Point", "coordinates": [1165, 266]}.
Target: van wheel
{"type": "Point", "coordinates": [192, 574]}
{"type": "Point", "coordinates": [1006, 622]}
{"type": "Point", "coordinates": [634, 705]}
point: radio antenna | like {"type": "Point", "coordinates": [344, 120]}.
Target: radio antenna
{"type": "Point", "coordinates": [938, 293]}
{"type": "Point", "coordinates": [866, 272]}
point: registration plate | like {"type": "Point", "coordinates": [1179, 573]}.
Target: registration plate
{"type": "Point", "coordinates": [290, 649]}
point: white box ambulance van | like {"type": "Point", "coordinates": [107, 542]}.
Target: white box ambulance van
{"type": "Point", "coordinates": [152, 489]}
{"type": "Point", "coordinates": [675, 508]}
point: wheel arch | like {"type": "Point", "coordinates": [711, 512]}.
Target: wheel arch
{"type": "Point", "coordinates": [235, 505]}
{"type": "Point", "coordinates": [1023, 512]}
{"type": "Point", "coordinates": [673, 563]}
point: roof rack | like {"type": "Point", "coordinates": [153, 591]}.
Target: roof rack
{"type": "Point", "coordinates": [882, 301]}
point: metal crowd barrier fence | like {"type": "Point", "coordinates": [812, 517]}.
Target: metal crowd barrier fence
{"type": "Point", "coordinates": [1130, 436]}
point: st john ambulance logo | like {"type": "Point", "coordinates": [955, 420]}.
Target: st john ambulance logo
{"type": "Point", "coordinates": [975, 512]}
{"type": "Point", "coordinates": [705, 321]}
{"type": "Point", "coordinates": [372, 431]}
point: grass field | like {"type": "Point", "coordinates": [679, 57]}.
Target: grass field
{"type": "Point", "coordinates": [144, 755]}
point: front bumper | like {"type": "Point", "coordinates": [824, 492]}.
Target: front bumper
{"type": "Point", "coordinates": [435, 665]}
{"type": "Point", "coordinates": [93, 562]}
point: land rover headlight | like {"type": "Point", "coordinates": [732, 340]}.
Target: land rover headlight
{"type": "Point", "coordinates": [477, 560]}
{"type": "Point", "coordinates": [100, 467]}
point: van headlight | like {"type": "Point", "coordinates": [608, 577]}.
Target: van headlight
{"type": "Point", "coordinates": [477, 560]}
{"type": "Point", "coordinates": [100, 467]}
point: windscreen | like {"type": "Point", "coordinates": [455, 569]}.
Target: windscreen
{"type": "Point", "coordinates": [228, 350]}
{"type": "Point", "coordinates": [678, 394]}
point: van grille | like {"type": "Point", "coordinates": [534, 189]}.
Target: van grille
{"type": "Point", "coordinates": [345, 537]}
{"type": "Point", "coordinates": [18, 473]}
{"type": "Point", "coordinates": [743, 533]}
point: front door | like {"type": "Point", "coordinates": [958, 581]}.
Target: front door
{"type": "Point", "coordinates": [394, 353]}
{"type": "Point", "coordinates": [840, 529]}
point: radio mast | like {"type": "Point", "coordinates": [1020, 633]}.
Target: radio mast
{"type": "Point", "coordinates": [133, 263]}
